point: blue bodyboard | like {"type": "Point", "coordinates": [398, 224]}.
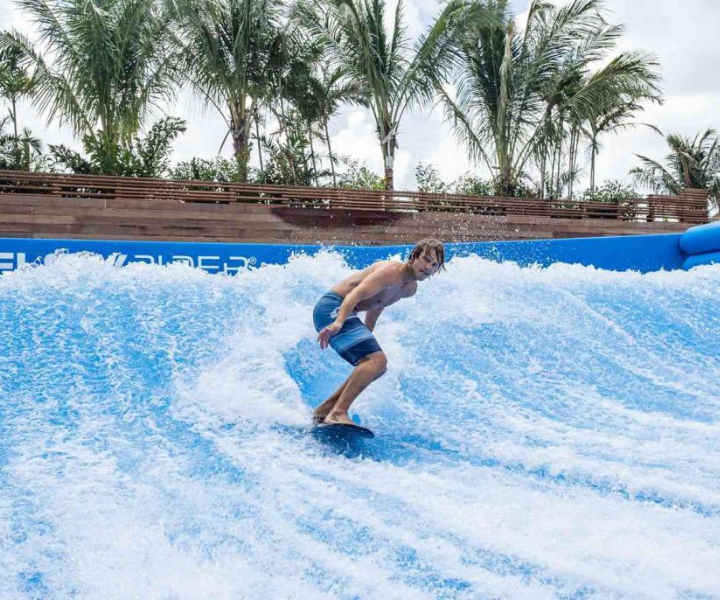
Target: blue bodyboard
{"type": "Point", "coordinates": [341, 430]}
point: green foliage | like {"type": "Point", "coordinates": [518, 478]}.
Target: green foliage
{"type": "Point", "coordinates": [372, 48]}
{"type": "Point", "coordinates": [112, 60]}
{"type": "Point", "coordinates": [524, 94]}
{"type": "Point", "coordinates": [470, 185]}
{"type": "Point", "coordinates": [152, 153]}
{"type": "Point", "coordinates": [20, 152]}
{"type": "Point", "coordinates": [610, 191]}
{"type": "Point", "coordinates": [307, 92]}
{"type": "Point", "coordinates": [691, 163]}
{"type": "Point", "coordinates": [216, 169]}
{"type": "Point", "coordinates": [231, 50]}
{"type": "Point", "coordinates": [141, 157]}
{"type": "Point", "coordinates": [525, 187]}
{"type": "Point", "coordinates": [16, 81]}
{"type": "Point", "coordinates": [358, 177]}
{"type": "Point", "coordinates": [65, 159]}
{"type": "Point", "coordinates": [287, 160]}
{"type": "Point", "coordinates": [521, 92]}
{"type": "Point", "coordinates": [429, 180]}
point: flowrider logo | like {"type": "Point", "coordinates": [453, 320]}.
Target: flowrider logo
{"type": "Point", "coordinates": [9, 261]}
{"type": "Point", "coordinates": [211, 264]}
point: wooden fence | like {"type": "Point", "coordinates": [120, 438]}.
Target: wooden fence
{"type": "Point", "coordinates": [82, 206]}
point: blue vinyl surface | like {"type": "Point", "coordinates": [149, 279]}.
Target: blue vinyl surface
{"type": "Point", "coordinates": [540, 433]}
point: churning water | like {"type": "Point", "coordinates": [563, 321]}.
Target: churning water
{"type": "Point", "coordinates": [541, 433]}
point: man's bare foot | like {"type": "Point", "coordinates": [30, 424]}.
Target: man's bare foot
{"type": "Point", "coordinates": [319, 418]}
{"type": "Point", "coordinates": [338, 419]}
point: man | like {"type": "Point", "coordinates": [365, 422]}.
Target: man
{"type": "Point", "coordinates": [370, 291]}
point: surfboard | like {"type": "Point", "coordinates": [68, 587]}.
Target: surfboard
{"type": "Point", "coordinates": [343, 430]}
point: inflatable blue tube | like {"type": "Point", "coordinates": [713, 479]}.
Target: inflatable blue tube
{"type": "Point", "coordinates": [701, 239]}
{"type": "Point", "coordinates": [697, 260]}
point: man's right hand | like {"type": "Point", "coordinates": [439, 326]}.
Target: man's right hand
{"type": "Point", "coordinates": [326, 333]}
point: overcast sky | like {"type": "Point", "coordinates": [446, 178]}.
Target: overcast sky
{"type": "Point", "coordinates": [681, 33]}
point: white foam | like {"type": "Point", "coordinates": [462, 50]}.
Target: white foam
{"type": "Point", "coordinates": [541, 433]}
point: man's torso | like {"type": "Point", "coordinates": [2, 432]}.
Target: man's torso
{"type": "Point", "coordinates": [386, 297]}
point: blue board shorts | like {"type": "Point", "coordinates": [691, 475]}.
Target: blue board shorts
{"type": "Point", "coordinates": [354, 341]}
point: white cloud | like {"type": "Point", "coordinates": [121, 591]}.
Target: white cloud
{"type": "Point", "coordinates": [681, 34]}
{"type": "Point", "coordinates": [205, 132]}
{"type": "Point", "coordinates": [352, 133]}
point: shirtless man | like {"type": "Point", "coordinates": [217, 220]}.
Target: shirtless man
{"type": "Point", "coordinates": [370, 291]}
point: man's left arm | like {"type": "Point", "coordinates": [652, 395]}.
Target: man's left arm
{"type": "Point", "coordinates": [371, 318]}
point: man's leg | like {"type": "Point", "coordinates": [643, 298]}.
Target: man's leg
{"type": "Point", "coordinates": [322, 410]}
{"type": "Point", "coordinates": [367, 370]}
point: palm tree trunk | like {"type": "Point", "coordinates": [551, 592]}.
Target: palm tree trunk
{"type": "Point", "coordinates": [388, 154]}
{"type": "Point", "coordinates": [283, 121]}
{"type": "Point", "coordinates": [543, 166]}
{"type": "Point", "coordinates": [545, 148]}
{"type": "Point", "coordinates": [552, 173]}
{"type": "Point", "coordinates": [14, 115]}
{"type": "Point", "coordinates": [389, 173]}
{"type": "Point", "coordinates": [257, 137]}
{"type": "Point", "coordinates": [575, 155]}
{"type": "Point", "coordinates": [327, 139]}
{"type": "Point", "coordinates": [312, 153]}
{"type": "Point", "coordinates": [307, 176]}
{"type": "Point", "coordinates": [592, 167]}
{"type": "Point", "coordinates": [559, 167]}
{"type": "Point", "coordinates": [503, 184]}
{"type": "Point", "coordinates": [240, 147]}
{"type": "Point", "coordinates": [571, 163]}
{"type": "Point", "coordinates": [502, 133]}
{"type": "Point", "coordinates": [239, 133]}
{"type": "Point", "coordinates": [26, 155]}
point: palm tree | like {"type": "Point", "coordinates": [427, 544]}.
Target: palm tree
{"type": "Point", "coordinates": [317, 92]}
{"type": "Point", "coordinates": [377, 57]}
{"type": "Point", "coordinates": [691, 163]}
{"type": "Point", "coordinates": [520, 92]}
{"type": "Point", "coordinates": [333, 89]}
{"type": "Point", "coordinates": [607, 119]}
{"type": "Point", "coordinates": [227, 45]}
{"type": "Point", "coordinates": [289, 80]}
{"type": "Point", "coordinates": [624, 82]}
{"type": "Point", "coordinates": [30, 148]}
{"type": "Point", "coordinates": [111, 64]}
{"type": "Point", "coordinates": [15, 81]}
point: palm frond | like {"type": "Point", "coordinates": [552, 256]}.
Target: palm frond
{"type": "Point", "coordinates": [55, 96]}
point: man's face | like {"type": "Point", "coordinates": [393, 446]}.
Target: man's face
{"type": "Point", "coordinates": [425, 265]}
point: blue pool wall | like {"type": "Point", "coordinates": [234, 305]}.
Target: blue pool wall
{"type": "Point", "coordinates": [643, 253]}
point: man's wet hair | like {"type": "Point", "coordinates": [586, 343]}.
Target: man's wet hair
{"type": "Point", "coordinates": [427, 245]}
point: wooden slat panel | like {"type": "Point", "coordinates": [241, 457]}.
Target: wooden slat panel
{"type": "Point", "coordinates": [206, 192]}
{"type": "Point", "coordinates": [109, 207]}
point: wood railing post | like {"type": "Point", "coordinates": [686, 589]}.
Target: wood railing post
{"type": "Point", "coordinates": [695, 202]}
{"type": "Point", "coordinates": [55, 186]}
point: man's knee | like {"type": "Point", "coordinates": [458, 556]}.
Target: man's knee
{"type": "Point", "coordinates": [379, 363]}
